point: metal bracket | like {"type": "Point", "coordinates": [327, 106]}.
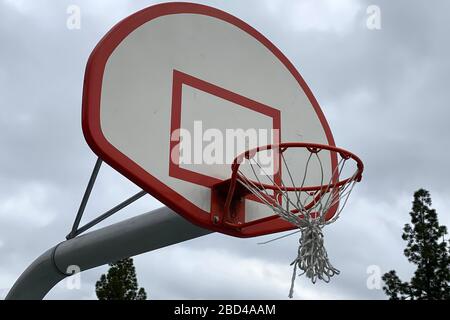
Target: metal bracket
{"type": "Point", "coordinates": [76, 230]}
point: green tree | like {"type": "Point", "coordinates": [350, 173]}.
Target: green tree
{"type": "Point", "coordinates": [426, 247]}
{"type": "Point", "coordinates": [120, 283]}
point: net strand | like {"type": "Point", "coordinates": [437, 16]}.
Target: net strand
{"type": "Point", "coordinates": [307, 210]}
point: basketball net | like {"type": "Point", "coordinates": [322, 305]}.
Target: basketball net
{"type": "Point", "coordinates": [309, 208]}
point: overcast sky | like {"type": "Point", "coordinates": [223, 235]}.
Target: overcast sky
{"type": "Point", "coordinates": [384, 92]}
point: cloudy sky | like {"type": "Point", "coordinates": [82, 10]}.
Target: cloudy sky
{"type": "Point", "coordinates": [384, 92]}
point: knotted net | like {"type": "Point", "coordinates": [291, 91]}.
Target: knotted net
{"type": "Point", "coordinates": [291, 196]}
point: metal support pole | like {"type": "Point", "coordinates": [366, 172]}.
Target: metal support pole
{"type": "Point", "coordinates": [147, 232]}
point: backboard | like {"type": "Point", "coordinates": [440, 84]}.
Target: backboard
{"type": "Point", "coordinates": [174, 92]}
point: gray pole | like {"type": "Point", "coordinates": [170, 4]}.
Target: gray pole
{"type": "Point", "coordinates": [147, 232]}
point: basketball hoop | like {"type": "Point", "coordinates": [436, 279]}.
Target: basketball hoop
{"type": "Point", "coordinates": [122, 99]}
{"type": "Point", "coordinates": [307, 207]}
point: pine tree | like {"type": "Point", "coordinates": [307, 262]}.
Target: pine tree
{"type": "Point", "coordinates": [120, 283]}
{"type": "Point", "coordinates": [426, 247]}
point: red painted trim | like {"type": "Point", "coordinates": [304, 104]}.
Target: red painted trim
{"type": "Point", "coordinates": [175, 171]}
{"type": "Point", "coordinates": [91, 113]}
{"type": "Point", "coordinates": [180, 78]}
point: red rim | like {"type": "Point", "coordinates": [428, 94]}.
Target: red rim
{"type": "Point", "coordinates": [320, 189]}
{"type": "Point", "coordinates": [312, 147]}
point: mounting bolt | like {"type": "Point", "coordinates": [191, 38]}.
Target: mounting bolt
{"type": "Point", "coordinates": [216, 219]}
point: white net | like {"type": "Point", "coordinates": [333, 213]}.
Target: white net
{"type": "Point", "coordinates": [310, 195]}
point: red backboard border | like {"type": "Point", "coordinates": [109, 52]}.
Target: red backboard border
{"type": "Point", "coordinates": [106, 151]}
